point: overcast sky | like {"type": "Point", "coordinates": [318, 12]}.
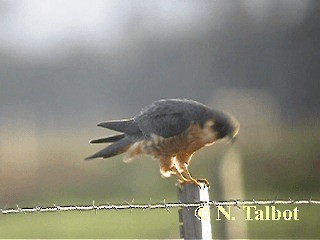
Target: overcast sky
{"type": "Point", "coordinates": [39, 24]}
{"type": "Point", "coordinates": [34, 26]}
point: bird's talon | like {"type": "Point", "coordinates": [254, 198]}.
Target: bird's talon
{"type": "Point", "coordinates": [189, 181]}
{"type": "Point", "coordinates": [205, 181]}
{"type": "Point", "coordinates": [180, 181]}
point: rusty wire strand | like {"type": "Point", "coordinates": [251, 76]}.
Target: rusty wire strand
{"type": "Point", "coordinates": [162, 205]}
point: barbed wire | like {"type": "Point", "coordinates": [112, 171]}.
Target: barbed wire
{"type": "Point", "coordinates": [162, 205]}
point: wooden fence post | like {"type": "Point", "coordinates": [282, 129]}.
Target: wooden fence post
{"type": "Point", "coordinates": [191, 227]}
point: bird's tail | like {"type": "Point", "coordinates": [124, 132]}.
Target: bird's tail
{"type": "Point", "coordinates": [108, 139]}
{"type": "Point", "coordinates": [112, 150]}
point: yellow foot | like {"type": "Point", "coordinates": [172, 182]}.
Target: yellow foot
{"type": "Point", "coordinates": [205, 181]}
{"type": "Point", "coordinates": [182, 181]}
{"type": "Point", "coordinates": [198, 182]}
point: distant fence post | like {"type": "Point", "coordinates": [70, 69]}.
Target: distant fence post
{"type": "Point", "coordinates": [190, 226]}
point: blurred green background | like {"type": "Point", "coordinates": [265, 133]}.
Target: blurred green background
{"type": "Point", "coordinates": [67, 65]}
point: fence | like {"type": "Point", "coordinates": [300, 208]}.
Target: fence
{"type": "Point", "coordinates": [191, 199]}
{"type": "Point", "coordinates": [151, 206]}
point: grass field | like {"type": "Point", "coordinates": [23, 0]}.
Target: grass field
{"type": "Point", "coordinates": [54, 173]}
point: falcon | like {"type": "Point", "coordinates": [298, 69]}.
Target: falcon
{"type": "Point", "coordinates": [171, 131]}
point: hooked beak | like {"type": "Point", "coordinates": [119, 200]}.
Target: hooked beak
{"type": "Point", "coordinates": [233, 137]}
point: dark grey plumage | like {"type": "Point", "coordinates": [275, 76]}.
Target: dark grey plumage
{"type": "Point", "coordinates": [165, 118]}
{"type": "Point", "coordinates": [108, 139]}
{"type": "Point", "coordinates": [128, 126]}
{"type": "Point", "coordinates": [170, 130]}
{"type": "Point", "coordinates": [170, 117]}
{"type": "Point", "coordinates": [114, 149]}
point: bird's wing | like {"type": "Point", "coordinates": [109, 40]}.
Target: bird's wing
{"type": "Point", "coordinates": [163, 121]}
{"type": "Point", "coordinates": [128, 126]}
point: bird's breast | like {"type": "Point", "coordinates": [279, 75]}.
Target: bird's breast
{"type": "Point", "coordinates": [189, 141]}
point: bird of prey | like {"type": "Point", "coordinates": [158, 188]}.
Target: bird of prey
{"type": "Point", "coordinates": [171, 131]}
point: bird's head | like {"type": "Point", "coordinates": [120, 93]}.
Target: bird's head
{"type": "Point", "coordinates": [225, 126]}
